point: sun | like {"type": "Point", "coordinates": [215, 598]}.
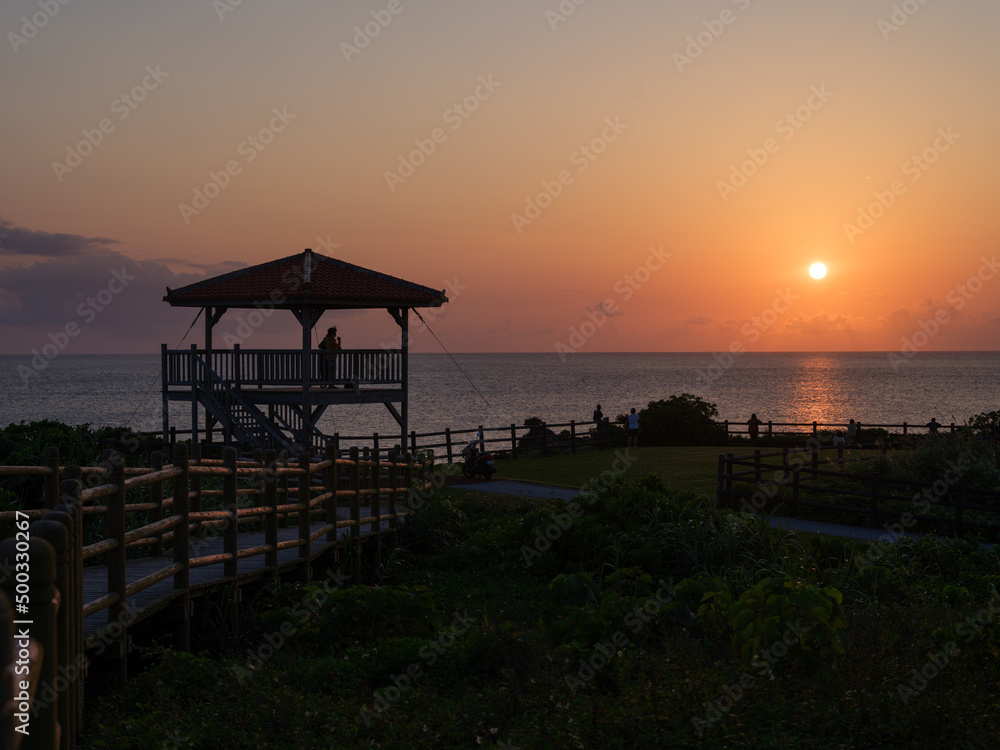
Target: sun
{"type": "Point", "coordinates": [817, 270]}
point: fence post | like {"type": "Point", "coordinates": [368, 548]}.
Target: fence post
{"type": "Point", "coordinates": [393, 488]}
{"type": "Point", "coordinates": [50, 459]}
{"type": "Point", "coordinates": [572, 436]}
{"type": "Point", "coordinates": [7, 693]}
{"type": "Point", "coordinates": [874, 501]}
{"type": "Point", "coordinates": [195, 503]}
{"type": "Point", "coordinates": [54, 529]}
{"type": "Point", "coordinates": [413, 442]}
{"type": "Point", "coordinates": [374, 508]}
{"type": "Point", "coordinates": [156, 492]}
{"type": "Point", "coordinates": [43, 605]}
{"type": "Point", "coordinates": [815, 428]}
{"type": "Point", "coordinates": [305, 528]}
{"type": "Point", "coordinates": [795, 487]}
{"type": "Point", "coordinates": [447, 442]}
{"type": "Point", "coordinates": [513, 441]}
{"type": "Point", "coordinates": [331, 482]}
{"type": "Point", "coordinates": [182, 550]}
{"type": "Point", "coordinates": [230, 535]}
{"type": "Point", "coordinates": [784, 460]}
{"type": "Point", "coordinates": [376, 451]}
{"type": "Point", "coordinates": [725, 423]}
{"type": "Point", "coordinates": [815, 460]}
{"type": "Point", "coordinates": [116, 561]}
{"type": "Point", "coordinates": [70, 488]}
{"type": "Point", "coordinates": [356, 515]}
{"type": "Point", "coordinates": [73, 659]}
{"type": "Point", "coordinates": [270, 501]}
{"type": "Point", "coordinates": [770, 432]}
{"type": "Point", "coordinates": [756, 465]}
{"type": "Point", "coordinates": [904, 429]}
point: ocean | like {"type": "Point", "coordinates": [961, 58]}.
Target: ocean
{"type": "Point", "coordinates": [497, 389]}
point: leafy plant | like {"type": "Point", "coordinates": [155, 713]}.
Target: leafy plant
{"type": "Point", "coordinates": [681, 420]}
{"type": "Point", "coordinates": [785, 611]}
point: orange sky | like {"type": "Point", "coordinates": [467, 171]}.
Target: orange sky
{"type": "Point", "coordinates": [536, 163]}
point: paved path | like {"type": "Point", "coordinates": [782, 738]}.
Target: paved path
{"type": "Point", "coordinates": [527, 489]}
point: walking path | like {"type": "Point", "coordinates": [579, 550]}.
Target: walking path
{"type": "Point", "coordinates": [541, 491]}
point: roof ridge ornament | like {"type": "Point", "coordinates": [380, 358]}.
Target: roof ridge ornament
{"type": "Point", "coordinates": [307, 268]}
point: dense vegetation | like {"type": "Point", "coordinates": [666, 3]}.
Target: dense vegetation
{"type": "Point", "coordinates": [636, 618]}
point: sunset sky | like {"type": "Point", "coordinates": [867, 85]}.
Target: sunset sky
{"type": "Point", "coordinates": [591, 175]}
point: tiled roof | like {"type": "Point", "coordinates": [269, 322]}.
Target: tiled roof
{"type": "Point", "coordinates": [305, 279]}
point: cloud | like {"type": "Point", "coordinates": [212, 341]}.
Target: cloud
{"type": "Point", "coordinates": [16, 240]}
{"type": "Point", "coordinates": [822, 323]}
{"type": "Point", "coordinates": [699, 320]}
{"type": "Point", "coordinates": [605, 308]}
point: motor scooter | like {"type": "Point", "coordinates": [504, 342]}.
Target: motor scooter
{"type": "Point", "coordinates": [476, 461]}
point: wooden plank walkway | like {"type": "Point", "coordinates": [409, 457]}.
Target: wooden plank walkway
{"type": "Point", "coordinates": [151, 600]}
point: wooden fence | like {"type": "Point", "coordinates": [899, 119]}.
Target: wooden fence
{"type": "Point", "coordinates": [815, 480]}
{"type": "Point", "coordinates": [291, 514]}
{"type": "Point", "coordinates": [581, 436]}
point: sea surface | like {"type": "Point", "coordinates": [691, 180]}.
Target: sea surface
{"type": "Point", "coordinates": [497, 389]}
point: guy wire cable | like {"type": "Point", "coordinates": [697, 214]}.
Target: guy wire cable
{"type": "Point", "coordinates": [456, 364]}
{"type": "Point", "coordinates": [143, 401]}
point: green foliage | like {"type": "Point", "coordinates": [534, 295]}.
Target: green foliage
{"type": "Point", "coordinates": [681, 420]}
{"type": "Point", "coordinates": [435, 526]}
{"type": "Point", "coordinates": [987, 424]}
{"type": "Point", "coordinates": [532, 440]}
{"type": "Point", "coordinates": [361, 614]}
{"type": "Point", "coordinates": [805, 618]}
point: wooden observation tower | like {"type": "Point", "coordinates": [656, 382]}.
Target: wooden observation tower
{"type": "Point", "coordinates": [273, 398]}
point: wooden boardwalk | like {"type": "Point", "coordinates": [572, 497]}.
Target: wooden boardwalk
{"type": "Point", "coordinates": [155, 598]}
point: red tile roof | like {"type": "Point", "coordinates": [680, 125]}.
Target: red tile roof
{"type": "Point", "coordinates": [305, 279]}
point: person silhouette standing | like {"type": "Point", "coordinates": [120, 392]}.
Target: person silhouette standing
{"type": "Point", "coordinates": [633, 429]}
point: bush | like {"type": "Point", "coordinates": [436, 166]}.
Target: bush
{"type": "Point", "coordinates": [681, 420]}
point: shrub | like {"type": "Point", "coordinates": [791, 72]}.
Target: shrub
{"type": "Point", "coordinates": [681, 420]}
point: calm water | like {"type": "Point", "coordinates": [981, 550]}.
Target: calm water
{"type": "Point", "coordinates": [497, 389]}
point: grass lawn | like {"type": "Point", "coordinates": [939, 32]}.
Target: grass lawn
{"type": "Point", "coordinates": [683, 468]}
